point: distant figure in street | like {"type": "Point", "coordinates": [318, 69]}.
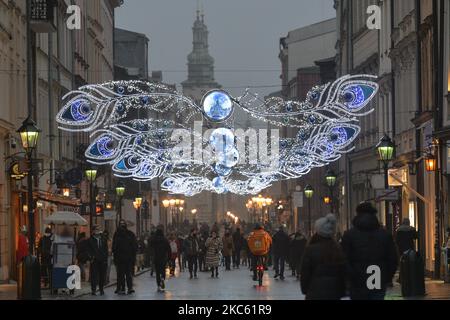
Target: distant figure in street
{"type": "Point", "coordinates": [151, 253]}
{"type": "Point", "coordinates": [110, 256]}
{"type": "Point", "coordinates": [45, 253]}
{"type": "Point", "coordinates": [213, 246]}
{"type": "Point", "coordinates": [368, 244]}
{"type": "Point", "coordinates": [259, 243]}
{"type": "Point", "coordinates": [280, 251]}
{"type": "Point", "coordinates": [191, 250]}
{"type": "Point", "coordinates": [161, 255]}
{"type": "Point", "coordinates": [22, 246]}
{"type": "Point", "coordinates": [175, 247]}
{"type": "Point", "coordinates": [98, 256]}
{"type": "Point", "coordinates": [201, 252]}
{"type": "Point", "coordinates": [124, 250]}
{"type": "Point", "coordinates": [140, 254]}
{"type": "Point", "coordinates": [322, 275]}
{"type": "Point", "coordinates": [82, 254]}
{"type": "Point", "coordinates": [238, 243]}
{"type": "Point", "coordinates": [296, 250]}
{"type": "Point", "coordinates": [227, 249]}
{"type": "Point", "coordinates": [405, 237]}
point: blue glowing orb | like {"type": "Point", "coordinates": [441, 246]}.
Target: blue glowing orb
{"type": "Point", "coordinates": [222, 140]}
{"type": "Point", "coordinates": [219, 185]}
{"type": "Point", "coordinates": [221, 170]}
{"type": "Point", "coordinates": [217, 105]}
{"type": "Point", "coordinates": [229, 158]}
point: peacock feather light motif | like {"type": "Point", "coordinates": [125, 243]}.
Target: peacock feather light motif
{"type": "Point", "coordinates": [147, 130]}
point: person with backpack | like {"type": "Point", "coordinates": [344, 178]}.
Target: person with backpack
{"type": "Point", "coordinates": [45, 253]}
{"type": "Point", "coordinates": [259, 243]}
{"type": "Point", "coordinates": [368, 244]}
{"type": "Point", "coordinates": [213, 247]}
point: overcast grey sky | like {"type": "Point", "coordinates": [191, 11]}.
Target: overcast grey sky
{"type": "Point", "coordinates": [243, 35]}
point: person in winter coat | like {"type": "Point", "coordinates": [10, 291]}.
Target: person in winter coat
{"type": "Point", "coordinates": [322, 275]}
{"type": "Point", "coordinates": [191, 250]}
{"type": "Point", "coordinates": [213, 246]}
{"type": "Point", "coordinates": [405, 237]}
{"type": "Point", "coordinates": [175, 252]}
{"type": "Point", "coordinates": [161, 255]}
{"type": "Point", "coordinates": [227, 249]}
{"type": "Point", "coordinates": [238, 243]}
{"type": "Point", "coordinates": [124, 251]}
{"type": "Point", "coordinates": [45, 253]}
{"type": "Point", "coordinates": [296, 250]}
{"type": "Point", "coordinates": [82, 254]}
{"type": "Point", "coordinates": [151, 253]}
{"type": "Point", "coordinates": [201, 253]}
{"type": "Point", "coordinates": [140, 254]}
{"type": "Point", "coordinates": [98, 256]}
{"type": "Point", "coordinates": [22, 246]}
{"type": "Point", "coordinates": [280, 246]}
{"type": "Point", "coordinates": [368, 244]}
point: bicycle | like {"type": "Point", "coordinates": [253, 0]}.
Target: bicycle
{"type": "Point", "coordinates": [260, 269]}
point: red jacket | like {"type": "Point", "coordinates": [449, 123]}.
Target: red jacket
{"type": "Point", "coordinates": [22, 248]}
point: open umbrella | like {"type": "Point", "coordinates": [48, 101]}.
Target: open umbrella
{"type": "Point", "coordinates": [68, 218]}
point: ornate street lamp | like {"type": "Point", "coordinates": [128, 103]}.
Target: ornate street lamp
{"type": "Point", "coordinates": [386, 149]}
{"type": "Point", "coordinates": [327, 200]}
{"type": "Point", "coordinates": [309, 193]}
{"type": "Point", "coordinates": [137, 205]}
{"type": "Point", "coordinates": [91, 175]}
{"type": "Point", "coordinates": [120, 191]}
{"type": "Point", "coordinates": [431, 163]}
{"type": "Point", "coordinates": [331, 178]}
{"type": "Point", "coordinates": [29, 134]}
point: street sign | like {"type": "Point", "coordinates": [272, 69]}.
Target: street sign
{"type": "Point", "coordinates": [387, 195]}
{"type": "Point", "coordinates": [297, 199]}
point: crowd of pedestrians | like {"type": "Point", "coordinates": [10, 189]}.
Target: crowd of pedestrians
{"type": "Point", "coordinates": [327, 265]}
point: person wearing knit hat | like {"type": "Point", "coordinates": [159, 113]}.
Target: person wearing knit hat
{"type": "Point", "coordinates": [322, 272]}
{"type": "Point", "coordinates": [326, 226]}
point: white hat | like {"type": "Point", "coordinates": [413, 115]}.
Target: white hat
{"type": "Point", "coordinates": [326, 226]}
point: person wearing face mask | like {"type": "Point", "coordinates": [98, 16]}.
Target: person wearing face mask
{"type": "Point", "coordinates": [191, 250]}
{"type": "Point", "coordinates": [98, 256]}
{"type": "Point", "coordinates": [124, 252]}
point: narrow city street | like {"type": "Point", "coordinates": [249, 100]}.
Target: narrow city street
{"type": "Point", "coordinates": [231, 285]}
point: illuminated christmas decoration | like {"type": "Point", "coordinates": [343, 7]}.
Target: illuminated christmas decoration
{"type": "Point", "coordinates": [146, 131]}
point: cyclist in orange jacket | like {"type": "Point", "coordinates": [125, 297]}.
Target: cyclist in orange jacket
{"type": "Point", "coordinates": [259, 242]}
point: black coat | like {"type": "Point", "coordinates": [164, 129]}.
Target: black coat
{"type": "Point", "coordinates": [191, 246]}
{"type": "Point", "coordinates": [97, 249]}
{"type": "Point", "coordinates": [405, 238]}
{"type": "Point", "coordinates": [322, 274]}
{"type": "Point", "coordinates": [124, 246]}
{"type": "Point", "coordinates": [161, 249]}
{"type": "Point", "coordinates": [280, 244]}
{"type": "Point", "coordinates": [368, 244]}
{"type": "Point", "coordinates": [238, 240]}
{"type": "Point", "coordinates": [296, 250]}
{"type": "Point", "coordinates": [83, 250]}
